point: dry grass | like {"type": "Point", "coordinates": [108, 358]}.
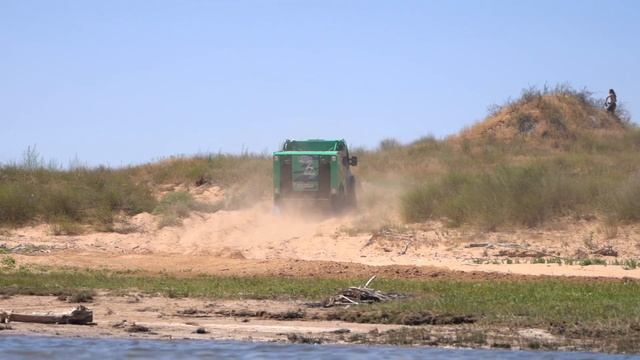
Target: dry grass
{"type": "Point", "coordinates": [552, 152]}
{"type": "Point", "coordinates": [62, 197]}
{"type": "Point", "coordinates": [548, 116]}
{"type": "Point", "coordinates": [33, 191]}
{"type": "Point", "coordinates": [217, 169]}
{"type": "Point", "coordinates": [576, 160]}
{"type": "Point", "coordinates": [175, 206]}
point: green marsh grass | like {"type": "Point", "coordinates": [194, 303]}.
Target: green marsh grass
{"type": "Point", "coordinates": [522, 303]}
{"type": "Point", "coordinates": [599, 314]}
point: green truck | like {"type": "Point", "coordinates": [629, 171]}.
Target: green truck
{"type": "Point", "coordinates": [314, 171]}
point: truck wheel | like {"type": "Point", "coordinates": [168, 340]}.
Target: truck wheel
{"type": "Point", "coordinates": [351, 192]}
{"type": "Point", "coordinates": [277, 205]}
{"type": "Point", "coordinates": [338, 201]}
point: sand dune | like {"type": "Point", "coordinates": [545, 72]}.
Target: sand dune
{"type": "Point", "coordinates": [258, 234]}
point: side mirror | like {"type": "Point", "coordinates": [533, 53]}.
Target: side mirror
{"type": "Point", "coordinates": [353, 161]}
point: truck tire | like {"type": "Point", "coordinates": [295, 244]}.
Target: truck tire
{"type": "Point", "coordinates": [351, 192]}
{"type": "Point", "coordinates": [338, 201]}
{"type": "Point", "coordinates": [277, 205]}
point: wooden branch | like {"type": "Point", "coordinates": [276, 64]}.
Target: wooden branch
{"type": "Point", "coordinates": [349, 300]}
{"type": "Point", "coordinates": [406, 247]}
{"type": "Point", "coordinates": [369, 282]}
{"type": "Point", "coordinates": [78, 316]}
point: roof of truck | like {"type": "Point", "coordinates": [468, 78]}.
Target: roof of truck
{"type": "Point", "coordinates": [310, 153]}
{"type": "Point", "coordinates": [314, 145]}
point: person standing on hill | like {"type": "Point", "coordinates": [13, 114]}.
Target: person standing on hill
{"type": "Point", "coordinates": [610, 101]}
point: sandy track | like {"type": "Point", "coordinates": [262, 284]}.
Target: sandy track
{"type": "Point", "coordinates": [189, 265]}
{"type": "Point", "coordinates": [256, 242]}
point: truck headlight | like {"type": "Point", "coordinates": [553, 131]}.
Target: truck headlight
{"type": "Point", "coordinates": [334, 158]}
{"type": "Point", "coordinates": [275, 158]}
{"type": "Point", "coordinates": [334, 191]}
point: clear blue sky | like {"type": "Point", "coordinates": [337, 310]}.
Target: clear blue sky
{"type": "Point", "coordinates": [123, 82]}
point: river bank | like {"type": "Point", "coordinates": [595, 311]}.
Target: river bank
{"type": "Point", "coordinates": [575, 314]}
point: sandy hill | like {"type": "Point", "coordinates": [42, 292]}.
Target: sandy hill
{"type": "Point", "coordinates": [546, 118]}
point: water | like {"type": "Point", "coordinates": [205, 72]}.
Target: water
{"type": "Point", "coordinates": [51, 348]}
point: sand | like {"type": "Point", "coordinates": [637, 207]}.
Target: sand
{"type": "Point", "coordinates": [258, 242]}
{"type": "Point", "coordinates": [216, 242]}
{"type": "Point", "coordinates": [167, 318]}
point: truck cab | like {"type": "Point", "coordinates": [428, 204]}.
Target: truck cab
{"type": "Point", "coordinates": [314, 170]}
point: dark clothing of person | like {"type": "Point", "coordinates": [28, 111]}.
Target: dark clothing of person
{"type": "Point", "coordinates": [611, 107]}
{"type": "Point", "coordinates": [610, 102]}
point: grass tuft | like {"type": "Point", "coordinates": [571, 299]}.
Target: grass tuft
{"type": "Point", "coordinates": [7, 262]}
{"type": "Point", "coordinates": [175, 206]}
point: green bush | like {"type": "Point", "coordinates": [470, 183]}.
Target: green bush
{"type": "Point", "coordinates": [17, 203]}
{"type": "Point", "coordinates": [33, 192]}
{"type": "Point", "coordinates": [7, 262]}
{"type": "Point", "coordinates": [79, 195]}
{"type": "Point", "coordinates": [65, 226]}
{"type": "Point", "coordinates": [524, 195]}
{"type": "Point", "coordinates": [623, 202]}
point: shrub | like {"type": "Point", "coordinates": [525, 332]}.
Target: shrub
{"type": "Point", "coordinates": [177, 205]}
{"type": "Point", "coordinates": [623, 202]}
{"type": "Point", "coordinates": [66, 226]}
{"type": "Point", "coordinates": [630, 264]}
{"type": "Point", "coordinates": [526, 195]}
{"type": "Point", "coordinates": [389, 144]}
{"type": "Point", "coordinates": [79, 195]}
{"type": "Point", "coordinates": [8, 262]}
{"type": "Point", "coordinates": [17, 203]}
{"type": "Point", "coordinates": [81, 296]}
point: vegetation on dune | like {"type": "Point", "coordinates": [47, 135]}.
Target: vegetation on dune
{"type": "Point", "coordinates": [551, 116]}
{"type": "Point", "coordinates": [218, 169]}
{"type": "Point", "coordinates": [524, 195]}
{"type": "Point", "coordinates": [177, 205]}
{"type": "Point", "coordinates": [33, 191]}
{"type": "Point", "coordinates": [62, 197]}
{"type": "Point", "coordinates": [553, 152]}
{"type": "Point", "coordinates": [582, 161]}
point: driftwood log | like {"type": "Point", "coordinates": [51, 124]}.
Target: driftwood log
{"type": "Point", "coordinates": [607, 251]}
{"type": "Point", "coordinates": [78, 316]}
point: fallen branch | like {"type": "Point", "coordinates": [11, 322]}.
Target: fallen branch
{"type": "Point", "coordinates": [522, 253]}
{"type": "Point", "coordinates": [606, 251]}
{"type": "Point", "coordinates": [369, 282]}
{"type": "Point", "coordinates": [406, 247]}
{"type": "Point", "coordinates": [360, 295]}
{"type": "Point", "coordinates": [78, 316]}
{"type": "Point", "coordinates": [348, 300]}
{"type": "Point", "coordinates": [388, 234]}
{"type": "Point", "coordinates": [475, 245]}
